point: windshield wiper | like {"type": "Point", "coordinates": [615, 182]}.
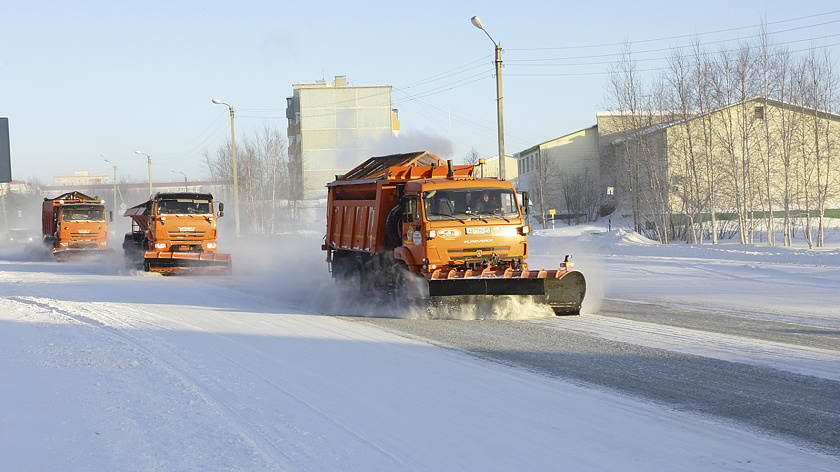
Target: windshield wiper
{"type": "Point", "coordinates": [474, 216]}
{"type": "Point", "coordinates": [451, 217]}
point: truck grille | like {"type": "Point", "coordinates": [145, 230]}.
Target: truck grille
{"type": "Point", "coordinates": [83, 237]}
{"type": "Point", "coordinates": [84, 244]}
{"type": "Point", "coordinates": [472, 252]}
{"type": "Point", "coordinates": [186, 235]}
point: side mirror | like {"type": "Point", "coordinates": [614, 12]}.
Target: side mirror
{"type": "Point", "coordinates": [111, 215]}
{"type": "Point", "coordinates": [221, 209]}
{"type": "Point", "coordinates": [408, 204]}
{"type": "Point", "coordinates": [526, 204]}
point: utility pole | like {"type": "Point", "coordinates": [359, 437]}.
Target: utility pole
{"type": "Point", "coordinates": [150, 169]}
{"type": "Point", "coordinates": [115, 181]}
{"type": "Point", "coordinates": [233, 152]}
{"type": "Point", "coordinates": [476, 21]}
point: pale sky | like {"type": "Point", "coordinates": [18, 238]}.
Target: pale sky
{"type": "Point", "coordinates": [79, 80]}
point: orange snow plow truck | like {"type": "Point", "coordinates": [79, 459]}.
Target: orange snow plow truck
{"type": "Point", "coordinates": [74, 226]}
{"type": "Point", "coordinates": [175, 233]}
{"type": "Point", "coordinates": [399, 219]}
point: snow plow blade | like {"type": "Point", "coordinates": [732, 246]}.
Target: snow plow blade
{"type": "Point", "coordinates": [65, 255]}
{"type": "Point", "coordinates": [562, 291]}
{"type": "Point", "coordinates": [187, 263]}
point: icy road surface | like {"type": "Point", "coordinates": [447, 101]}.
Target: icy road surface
{"type": "Point", "coordinates": [108, 371]}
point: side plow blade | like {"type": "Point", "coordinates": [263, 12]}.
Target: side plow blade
{"type": "Point", "coordinates": [563, 294]}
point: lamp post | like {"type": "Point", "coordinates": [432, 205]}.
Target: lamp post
{"type": "Point", "coordinates": [115, 181]}
{"type": "Point", "coordinates": [233, 153]}
{"type": "Point", "coordinates": [185, 178]}
{"type": "Point", "coordinates": [150, 170]}
{"type": "Point", "coordinates": [476, 21]}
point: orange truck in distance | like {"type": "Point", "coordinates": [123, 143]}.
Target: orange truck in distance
{"type": "Point", "coordinates": [74, 226]}
{"type": "Point", "coordinates": [399, 221]}
{"type": "Point", "coordinates": [175, 233]}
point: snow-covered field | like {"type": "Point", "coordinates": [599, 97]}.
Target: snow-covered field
{"type": "Point", "coordinates": [102, 370]}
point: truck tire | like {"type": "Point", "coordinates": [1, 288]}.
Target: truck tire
{"type": "Point", "coordinates": [408, 291]}
{"type": "Point", "coordinates": [133, 252]}
{"type": "Point", "coordinates": [393, 233]}
{"type": "Point", "coordinates": [347, 274]}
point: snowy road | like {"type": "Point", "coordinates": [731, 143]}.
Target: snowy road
{"type": "Point", "coordinates": [781, 388]}
{"type": "Point", "coordinates": [108, 371]}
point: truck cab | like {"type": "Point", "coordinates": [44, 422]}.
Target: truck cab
{"type": "Point", "coordinates": [461, 225]}
{"type": "Point", "coordinates": [175, 233]}
{"type": "Point", "coordinates": [179, 222]}
{"type": "Point", "coordinates": [82, 226]}
{"type": "Point", "coordinates": [75, 225]}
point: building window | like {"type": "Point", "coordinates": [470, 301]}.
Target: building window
{"type": "Point", "coordinates": [759, 113]}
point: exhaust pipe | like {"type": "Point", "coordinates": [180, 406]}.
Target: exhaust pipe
{"type": "Point", "coordinates": [451, 174]}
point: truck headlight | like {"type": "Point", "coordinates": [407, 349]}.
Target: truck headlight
{"type": "Point", "coordinates": [524, 229]}
{"type": "Point", "coordinates": [432, 234]}
{"type": "Point", "coordinates": [103, 243]}
{"type": "Point", "coordinates": [211, 245]}
{"type": "Point", "coordinates": [160, 245]}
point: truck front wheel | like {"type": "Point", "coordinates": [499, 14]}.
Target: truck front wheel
{"type": "Point", "coordinates": [407, 290]}
{"type": "Point", "coordinates": [133, 252]}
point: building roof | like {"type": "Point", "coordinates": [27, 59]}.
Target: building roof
{"type": "Point", "coordinates": [697, 114]}
{"type": "Point", "coordinates": [536, 146]}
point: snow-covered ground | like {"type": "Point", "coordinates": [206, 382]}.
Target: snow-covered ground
{"type": "Point", "coordinates": [102, 370]}
{"type": "Point", "coordinates": [792, 285]}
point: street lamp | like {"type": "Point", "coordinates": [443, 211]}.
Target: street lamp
{"type": "Point", "coordinates": [233, 153]}
{"type": "Point", "coordinates": [115, 181]}
{"type": "Point", "coordinates": [185, 178]}
{"type": "Point", "coordinates": [150, 170]}
{"type": "Point", "coordinates": [476, 21]}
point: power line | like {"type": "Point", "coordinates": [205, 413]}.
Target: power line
{"type": "Point", "coordinates": [654, 69]}
{"type": "Point", "coordinates": [521, 62]}
{"type": "Point", "coordinates": [191, 148]}
{"type": "Point", "coordinates": [670, 38]}
{"type": "Point", "coordinates": [453, 85]}
{"type": "Point", "coordinates": [450, 73]}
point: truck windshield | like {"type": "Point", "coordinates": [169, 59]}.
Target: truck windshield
{"type": "Point", "coordinates": [83, 213]}
{"type": "Point", "coordinates": [469, 203]}
{"type": "Point", "coordinates": [184, 206]}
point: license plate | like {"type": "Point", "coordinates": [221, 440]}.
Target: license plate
{"type": "Point", "coordinates": [479, 230]}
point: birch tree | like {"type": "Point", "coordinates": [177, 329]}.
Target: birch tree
{"type": "Point", "coordinates": [705, 70]}
{"type": "Point", "coordinates": [262, 176]}
{"type": "Point", "coordinates": [542, 183]}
